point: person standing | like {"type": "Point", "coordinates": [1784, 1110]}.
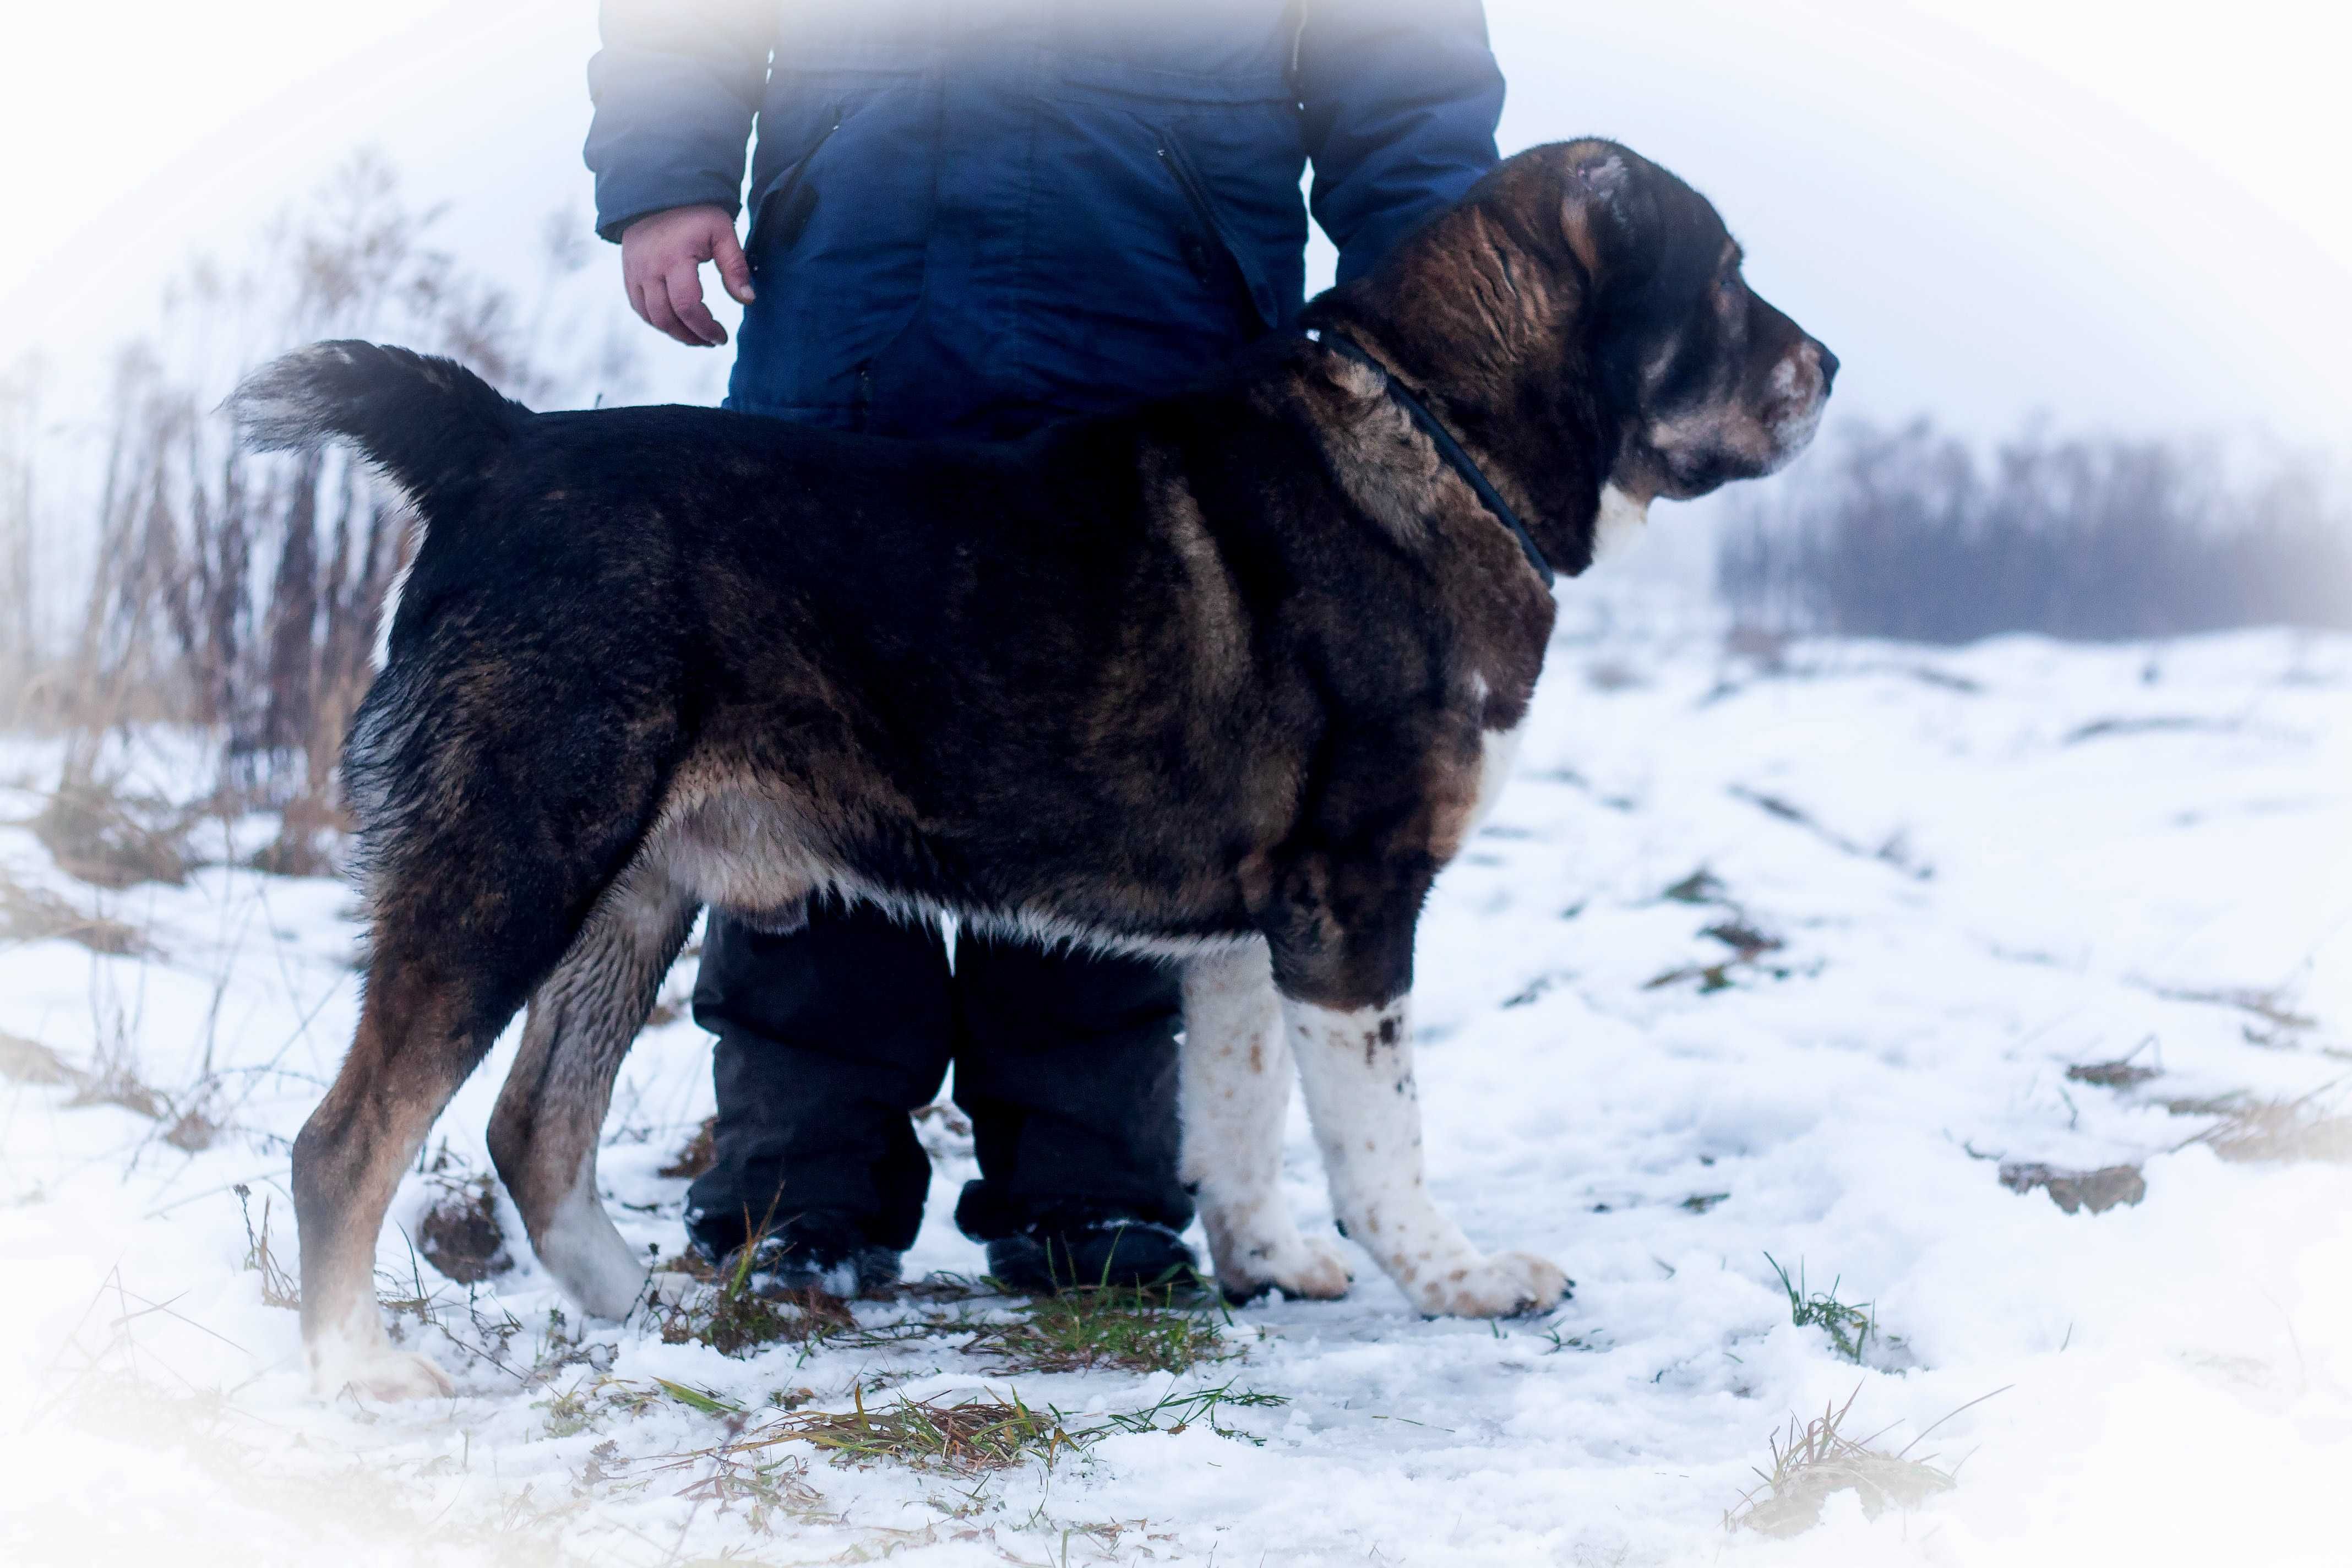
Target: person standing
{"type": "Point", "coordinates": [966, 220]}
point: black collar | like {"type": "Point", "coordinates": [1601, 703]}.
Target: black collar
{"type": "Point", "coordinates": [1447, 447]}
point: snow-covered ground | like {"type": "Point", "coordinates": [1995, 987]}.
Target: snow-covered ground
{"type": "Point", "coordinates": [1981, 867]}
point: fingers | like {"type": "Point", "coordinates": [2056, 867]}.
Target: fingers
{"type": "Point", "coordinates": [734, 267]}
{"type": "Point", "coordinates": [651, 298]}
{"type": "Point", "coordinates": [699, 326]}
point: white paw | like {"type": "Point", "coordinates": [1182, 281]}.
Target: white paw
{"type": "Point", "coordinates": [1305, 1269]}
{"type": "Point", "coordinates": [384, 1374]}
{"type": "Point", "coordinates": [1499, 1285]}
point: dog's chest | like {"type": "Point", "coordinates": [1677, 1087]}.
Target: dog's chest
{"type": "Point", "coordinates": [1498, 749]}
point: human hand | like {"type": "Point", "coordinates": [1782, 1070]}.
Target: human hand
{"type": "Point", "coordinates": [661, 266]}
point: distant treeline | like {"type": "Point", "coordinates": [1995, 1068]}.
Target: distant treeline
{"type": "Point", "coordinates": [1909, 533]}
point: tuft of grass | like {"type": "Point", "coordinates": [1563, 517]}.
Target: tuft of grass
{"type": "Point", "coordinates": [1813, 1461]}
{"type": "Point", "coordinates": [1131, 1329]}
{"type": "Point", "coordinates": [30, 914]}
{"type": "Point", "coordinates": [2248, 1129]}
{"type": "Point", "coordinates": [968, 1437]}
{"type": "Point", "coordinates": [736, 1320]}
{"type": "Point", "coordinates": [1849, 1327]}
{"type": "Point", "coordinates": [99, 832]}
{"type": "Point", "coordinates": [971, 1437]}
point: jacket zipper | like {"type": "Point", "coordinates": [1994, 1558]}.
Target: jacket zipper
{"type": "Point", "coordinates": [1213, 234]}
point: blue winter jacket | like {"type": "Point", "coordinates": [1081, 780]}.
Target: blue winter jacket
{"type": "Point", "coordinates": [967, 217]}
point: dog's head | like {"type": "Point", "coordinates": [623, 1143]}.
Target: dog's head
{"type": "Point", "coordinates": [1702, 379]}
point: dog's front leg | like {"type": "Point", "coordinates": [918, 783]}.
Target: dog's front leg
{"type": "Point", "coordinates": [1355, 1061]}
{"type": "Point", "coordinates": [1236, 1087]}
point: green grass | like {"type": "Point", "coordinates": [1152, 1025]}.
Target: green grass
{"type": "Point", "coordinates": [1108, 1327]}
{"type": "Point", "coordinates": [966, 1436]}
{"type": "Point", "coordinates": [1849, 1327]}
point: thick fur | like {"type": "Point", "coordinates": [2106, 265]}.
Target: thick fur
{"type": "Point", "coordinates": [1227, 677]}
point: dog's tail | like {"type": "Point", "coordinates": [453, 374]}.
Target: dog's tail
{"type": "Point", "coordinates": [431, 425]}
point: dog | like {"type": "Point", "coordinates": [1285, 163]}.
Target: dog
{"type": "Point", "coordinates": [1228, 677]}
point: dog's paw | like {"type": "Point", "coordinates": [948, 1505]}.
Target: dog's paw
{"type": "Point", "coordinates": [1499, 1285]}
{"type": "Point", "coordinates": [1305, 1269]}
{"type": "Point", "coordinates": [385, 1375]}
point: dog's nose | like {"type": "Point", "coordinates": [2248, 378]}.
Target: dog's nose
{"type": "Point", "coordinates": [1829, 366]}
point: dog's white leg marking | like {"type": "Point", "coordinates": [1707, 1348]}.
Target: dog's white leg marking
{"type": "Point", "coordinates": [1357, 1066]}
{"type": "Point", "coordinates": [1236, 1088]}
{"type": "Point", "coordinates": [586, 1253]}
{"type": "Point", "coordinates": [357, 1354]}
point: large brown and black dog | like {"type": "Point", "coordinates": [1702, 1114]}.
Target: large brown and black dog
{"type": "Point", "coordinates": [1228, 677]}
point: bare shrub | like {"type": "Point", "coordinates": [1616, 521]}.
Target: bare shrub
{"type": "Point", "coordinates": [1909, 533]}
{"type": "Point", "coordinates": [241, 594]}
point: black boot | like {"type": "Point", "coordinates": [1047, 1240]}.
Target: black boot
{"type": "Point", "coordinates": [824, 1253]}
{"type": "Point", "coordinates": [1075, 1251]}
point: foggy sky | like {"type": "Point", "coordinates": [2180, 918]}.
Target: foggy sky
{"type": "Point", "coordinates": [2103, 212]}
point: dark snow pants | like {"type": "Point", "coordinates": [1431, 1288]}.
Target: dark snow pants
{"type": "Point", "coordinates": [830, 1035]}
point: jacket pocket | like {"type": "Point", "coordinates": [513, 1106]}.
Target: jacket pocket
{"type": "Point", "coordinates": [781, 212]}
{"type": "Point", "coordinates": [1229, 259]}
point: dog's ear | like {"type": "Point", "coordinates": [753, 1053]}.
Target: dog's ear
{"type": "Point", "coordinates": [1600, 175]}
{"type": "Point", "coordinates": [1595, 184]}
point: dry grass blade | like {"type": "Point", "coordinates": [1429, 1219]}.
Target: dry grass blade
{"type": "Point", "coordinates": [279, 1286]}
{"type": "Point", "coordinates": [1813, 1461]}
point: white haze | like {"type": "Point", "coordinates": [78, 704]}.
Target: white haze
{"type": "Point", "coordinates": [2121, 215]}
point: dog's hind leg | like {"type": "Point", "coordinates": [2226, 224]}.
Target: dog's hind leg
{"type": "Point", "coordinates": [1235, 1090]}
{"type": "Point", "coordinates": [544, 1132]}
{"type": "Point", "coordinates": [427, 1019]}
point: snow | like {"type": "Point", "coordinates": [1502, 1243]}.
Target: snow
{"type": "Point", "coordinates": [1984, 865]}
